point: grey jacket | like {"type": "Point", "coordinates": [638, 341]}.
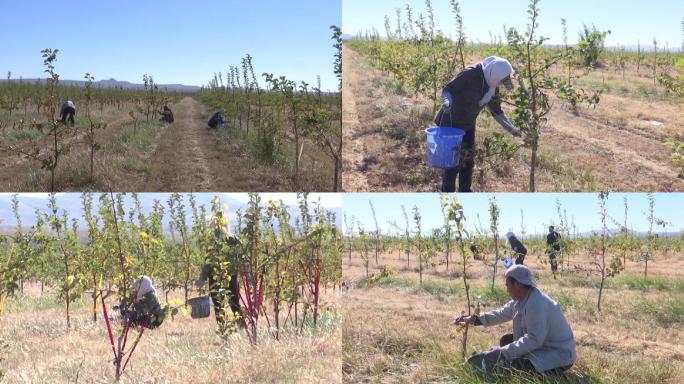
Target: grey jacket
{"type": "Point", "coordinates": [540, 331]}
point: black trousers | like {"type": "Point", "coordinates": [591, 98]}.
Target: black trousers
{"type": "Point", "coordinates": [520, 258]}
{"type": "Point", "coordinates": [233, 299]}
{"type": "Point", "coordinates": [465, 169]}
{"type": "Point", "coordinates": [68, 114]}
{"type": "Point", "coordinates": [554, 263]}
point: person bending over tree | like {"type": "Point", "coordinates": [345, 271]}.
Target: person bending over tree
{"type": "Point", "coordinates": [67, 112]}
{"type": "Point", "coordinates": [221, 271]}
{"type": "Point", "coordinates": [462, 100]}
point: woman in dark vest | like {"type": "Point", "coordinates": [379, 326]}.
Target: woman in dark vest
{"type": "Point", "coordinates": [463, 99]}
{"type": "Point", "coordinates": [518, 248]}
{"type": "Point", "coordinates": [220, 270]}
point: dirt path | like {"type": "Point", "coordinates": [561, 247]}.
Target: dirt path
{"type": "Point", "coordinates": [352, 148]}
{"type": "Point", "coordinates": [181, 163]}
{"type": "Point", "coordinates": [189, 157]}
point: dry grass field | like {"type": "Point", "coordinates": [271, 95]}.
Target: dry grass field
{"type": "Point", "coordinates": [38, 349]}
{"type": "Point", "coordinates": [395, 330]}
{"type": "Point", "coordinates": [153, 157]}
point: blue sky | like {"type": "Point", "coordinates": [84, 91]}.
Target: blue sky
{"type": "Point", "coordinates": [71, 202]}
{"type": "Point", "coordinates": [175, 41]}
{"type": "Point", "coordinates": [628, 21]}
{"type": "Point", "coordinates": [539, 209]}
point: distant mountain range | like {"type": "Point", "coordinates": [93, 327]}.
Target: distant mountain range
{"type": "Point", "coordinates": [113, 83]}
{"type": "Point", "coordinates": [71, 203]}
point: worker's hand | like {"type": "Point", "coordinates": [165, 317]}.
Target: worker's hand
{"type": "Point", "coordinates": [464, 320]}
{"type": "Point", "coordinates": [493, 355]}
{"type": "Point", "coordinates": [446, 100]}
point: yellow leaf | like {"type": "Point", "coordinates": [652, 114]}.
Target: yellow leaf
{"type": "Point", "coordinates": [175, 302]}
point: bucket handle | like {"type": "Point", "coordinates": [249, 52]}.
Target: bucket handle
{"type": "Point", "coordinates": [451, 123]}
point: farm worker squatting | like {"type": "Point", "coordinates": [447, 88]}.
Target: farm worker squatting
{"type": "Point", "coordinates": [166, 115]}
{"type": "Point", "coordinates": [146, 310]}
{"type": "Point", "coordinates": [542, 339]}
{"type": "Point", "coordinates": [68, 111]}
{"type": "Point", "coordinates": [463, 99]}
{"type": "Point", "coordinates": [216, 120]}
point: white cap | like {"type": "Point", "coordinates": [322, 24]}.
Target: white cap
{"type": "Point", "coordinates": [521, 274]}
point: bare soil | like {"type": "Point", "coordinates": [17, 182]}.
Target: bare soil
{"type": "Point", "coordinates": [189, 158]}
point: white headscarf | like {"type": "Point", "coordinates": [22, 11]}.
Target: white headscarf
{"type": "Point", "coordinates": [143, 286]}
{"type": "Point", "coordinates": [509, 235]}
{"type": "Point", "coordinates": [495, 69]}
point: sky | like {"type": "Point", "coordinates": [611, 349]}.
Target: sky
{"type": "Point", "coordinates": [539, 210]}
{"type": "Point", "coordinates": [628, 21]}
{"type": "Point", "coordinates": [71, 202]}
{"type": "Point", "coordinates": [174, 41]}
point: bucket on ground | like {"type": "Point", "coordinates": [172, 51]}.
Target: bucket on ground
{"type": "Point", "coordinates": [199, 307]}
{"type": "Point", "coordinates": [444, 146]}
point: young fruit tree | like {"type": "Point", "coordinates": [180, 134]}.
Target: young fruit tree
{"type": "Point", "coordinates": [604, 270]}
{"type": "Point", "coordinates": [531, 98]}
{"type": "Point", "coordinates": [458, 220]}
{"type": "Point", "coordinates": [494, 211]}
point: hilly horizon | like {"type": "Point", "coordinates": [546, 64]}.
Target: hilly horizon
{"type": "Point", "coordinates": [72, 204]}
{"type": "Point", "coordinates": [112, 83]}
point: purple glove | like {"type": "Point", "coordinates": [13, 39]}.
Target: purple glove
{"type": "Point", "coordinates": [493, 355]}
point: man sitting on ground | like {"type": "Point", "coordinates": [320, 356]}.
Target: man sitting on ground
{"type": "Point", "coordinates": [542, 340]}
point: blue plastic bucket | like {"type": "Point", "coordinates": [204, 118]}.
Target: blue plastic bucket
{"type": "Point", "coordinates": [444, 146]}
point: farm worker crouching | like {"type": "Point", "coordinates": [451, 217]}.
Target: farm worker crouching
{"type": "Point", "coordinates": [166, 115]}
{"type": "Point", "coordinates": [146, 310]}
{"type": "Point", "coordinates": [517, 247]}
{"type": "Point", "coordinates": [463, 99]}
{"type": "Point", "coordinates": [68, 111]}
{"type": "Point", "coordinates": [542, 339]}
{"type": "Point", "coordinates": [553, 248]}
{"type": "Point", "coordinates": [216, 120]}
{"type": "Point", "coordinates": [221, 270]}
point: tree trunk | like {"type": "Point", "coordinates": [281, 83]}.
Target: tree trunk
{"type": "Point", "coordinates": [496, 257]}
{"type": "Point", "coordinates": [533, 166]}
